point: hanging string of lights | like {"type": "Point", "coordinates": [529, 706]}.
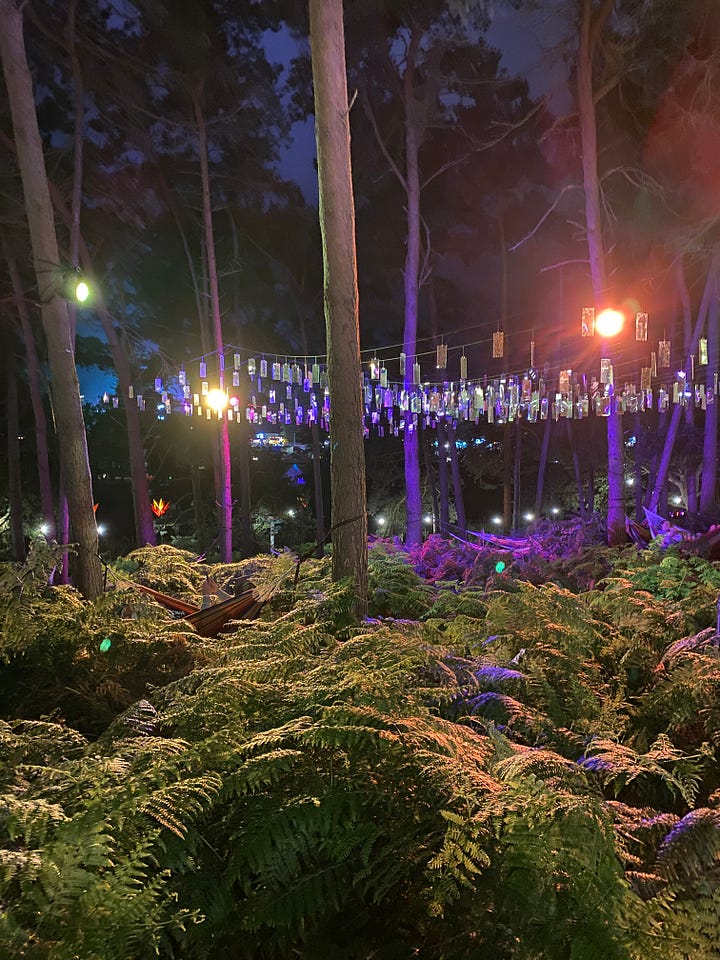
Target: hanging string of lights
{"type": "Point", "coordinates": [294, 389]}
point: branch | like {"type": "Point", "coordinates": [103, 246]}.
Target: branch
{"type": "Point", "coordinates": [596, 27]}
{"type": "Point", "coordinates": [381, 143]}
{"type": "Point", "coordinates": [541, 221]}
{"type": "Point", "coordinates": [512, 128]}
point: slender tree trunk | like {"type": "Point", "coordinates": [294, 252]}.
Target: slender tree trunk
{"type": "Point", "coordinates": [64, 386]}
{"type": "Point", "coordinates": [457, 479]}
{"type": "Point", "coordinates": [142, 512]}
{"type": "Point", "coordinates": [337, 223]}
{"type": "Point", "coordinates": [590, 29]}
{"type": "Point", "coordinates": [246, 532]}
{"type": "Point", "coordinates": [198, 510]}
{"type": "Point", "coordinates": [577, 470]}
{"type": "Point", "coordinates": [14, 471]}
{"type": "Point", "coordinates": [507, 478]}
{"type": "Point", "coordinates": [430, 473]}
{"type": "Point", "coordinates": [708, 483]}
{"type": "Point", "coordinates": [542, 467]}
{"type": "Point", "coordinates": [413, 136]}
{"type": "Point", "coordinates": [660, 478]}
{"type": "Point", "coordinates": [225, 501]}
{"type": "Point", "coordinates": [41, 430]}
{"type": "Point", "coordinates": [317, 482]}
{"type": "Point", "coordinates": [516, 474]}
{"type": "Point", "coordinates": [443, 479]}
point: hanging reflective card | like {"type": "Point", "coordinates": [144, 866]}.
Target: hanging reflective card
{"type": "Point", "coordinates": [498, 348]}
{"type": "Point", "coordinates": [463, 367]}
{"type": "Point", "coordinates": [641, 326]}
{"type": "Point", "coordinates": [587, 322]}
{"type": "Point", "coordinates": [664, 353]}
{"type": "Point", "coordinates": [703, 351]}
{"type": "Point", "coordinates": [441, 356]}
{"type": "Point", "coordinates": [606, 371]}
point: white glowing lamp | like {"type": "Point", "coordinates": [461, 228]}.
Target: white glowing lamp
{"type": "Point", "coordinates": [217, 399]}
{"type": "Point", "coordinates": [609, 323]}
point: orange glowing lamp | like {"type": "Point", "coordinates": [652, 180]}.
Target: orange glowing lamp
{"type": "Point", "coordinates": [160, 507]}
{"type": "Point", "coordinates": [609, 323]}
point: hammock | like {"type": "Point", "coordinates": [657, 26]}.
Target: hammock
{"type": "Point", "coordinates": [209, 621]}
{"type": "Point", "coordinates": [520, 546]}
{"type": "Point", "coordinates": [705, 544]}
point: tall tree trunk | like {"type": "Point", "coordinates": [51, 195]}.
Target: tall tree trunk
{"type": "Point", "coordinates": [246, 532]}
{"type": "Point", "coordinates": [413, 136]}
{"type": "Point", "coordinates": [430, 473]}
{"type": "Point", "coordinates": [443, 478]}
{"type": "Point", "coordinates": [577, 470]}
{"type": "Point", "coordinates": [15, 497]}
{"type": "Point", "coordinates": [337, 224]}
{"type": "Point", "coordinates": [225, 501]}
{"type": "Point", "coordinates": [516, 474]}
{"type": "Point", "coordinates": [542, 467]}
{"type": "Point", "coordinates": [660, 479]}
{"type": "Point", "coordinates": [64, 387]}
{"type": "Point", "coordinates": [590, 29]}
{"type": "Point", "coordinates": [41, 429]}
{"type": "Point", "coordinates": [198, 510]}
{"type": "Point", "coordinates": [507, 478]}
{"type": "Point", "coordinates": [708, 482]}
{"type": "Point", "coordinates": [317, 482]}
{"type": "Point", "coordinates": [457, 479]}
{"type": "Point", "coordinates": [142, 512]}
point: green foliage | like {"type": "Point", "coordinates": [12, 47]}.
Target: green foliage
{"type": "Point", "coordinates": [517, 773]}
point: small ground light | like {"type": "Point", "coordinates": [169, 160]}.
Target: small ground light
{"type": "Point", "coordinates": [497, 521]}
{"type": "Point", "coordinates": [630, 481]}
{"type": "Point", "coordinates": [555, 511]}
{"type": "Point", "coordinates": [427, 518]}
{"type": "Point", "coordinates": [291, 513]}
{"type": "Point", "coordinates": [105, 645]}
{"type": "Point", "coordinates": [677, 501]}
{"type": "Point", "coordinates": [528, 517]}
{"type": "Point", "coordinates": [44, 529]}
{"type": "Point", "coordinates": [499, 566]}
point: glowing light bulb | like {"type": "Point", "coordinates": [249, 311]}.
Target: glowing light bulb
{"type": "Point", "coordinates": [609, 323]}
{"type": "Point", "coordinates": [82, 292]}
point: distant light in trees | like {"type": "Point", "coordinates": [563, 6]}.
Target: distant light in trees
{"type": "Point", "coordinates": [529, 517]}
{"type": "Point", "coordinates": [102, 529]}
{"type": "Point", "coordinates": [609, 323]}
{"type": "Point", "coordinates": [381, 521]}
{"type": "Point", "coordinates": [555, 511]}
{"type": "Point", "coordinates": [217, 400]}
{"type": "Point", "coordinates": [497, 521]}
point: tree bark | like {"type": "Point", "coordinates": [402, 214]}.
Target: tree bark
{"type": "Point", "coordinates": [317, 482]}
{"type": "Point", "coordinates": [457, 479]}
{"type": "Point", "coordinates": [708, 482]}
{"type": "Point", "coordinates": [443, 478]}
{"type": "Point", "coordinates": [542, 467]}
{"type": "Point", "coordinates": [41, 429]}
{"type": "Point", "coordinates": [413, 136]}
{"type": "Point", "coordinates": [225, 501]}
{"type": "Point", "coordinates": [14, 471]}
{"type": "Point", "coordinates": [337, 224]}
{"type": "Point", "coordinates": [660, 478]}
{"type": "Point", "coordinates": [64, 387]}
{"type": "Point", "coordinates": [589, 31]}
